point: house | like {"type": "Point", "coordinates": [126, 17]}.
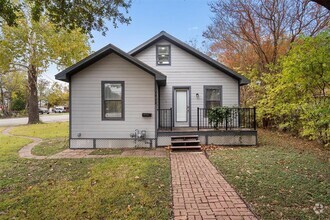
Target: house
{"type": "Point", "coordinates": [161, 89]}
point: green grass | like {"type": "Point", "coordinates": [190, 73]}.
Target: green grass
{"type": "Point", "coordinates": [107, 152]}
{"type": "Point", "coordinates": [47, 130]}
{"type": "Point", "coordinates": [9, 148]}
{"type": "Point", "coordinates": [108, 188]}
{"type": "Point", "coordinates": [50, 146]}
{"type": "Point", "coordinates": [283, 178]}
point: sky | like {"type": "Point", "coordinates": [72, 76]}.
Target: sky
{"type": "Point", "coordinates": [184, 19]}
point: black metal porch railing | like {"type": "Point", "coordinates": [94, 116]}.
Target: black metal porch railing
{"type": "Point", "coordinates": [237, 118]}
{"type": "Point", "coordinates": [165, 119]}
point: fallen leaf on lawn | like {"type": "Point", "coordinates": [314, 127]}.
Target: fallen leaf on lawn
{"type": "Point", "coordinates": [93, 182]}
{"type": "Point", "coordinates": [137, 177]}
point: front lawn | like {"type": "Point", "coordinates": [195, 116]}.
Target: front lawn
{"type": "Point", "coordinates": [50, 146]}
{"type": "Point", "coordinates": [283, 178]}
{"type": "Point", "coordinates": [46, 130]}
{"type": "Point", "coordinates": [107, 188]}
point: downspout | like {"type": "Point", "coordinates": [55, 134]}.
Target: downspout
{"type": "Point", "coordinates": [70, 112]}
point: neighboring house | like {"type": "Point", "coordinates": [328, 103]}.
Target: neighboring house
{"type": "Point", "coordinates": [163, 88]}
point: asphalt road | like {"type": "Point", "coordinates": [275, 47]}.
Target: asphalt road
{"type": "Point", "coordinates": [44, 118]}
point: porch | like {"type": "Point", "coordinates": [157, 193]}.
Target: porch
{"type": "Point", "coordinates": [237, 128]}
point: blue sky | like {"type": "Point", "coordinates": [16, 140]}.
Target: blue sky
{"type": "Point", "coordinates": [184, 19]}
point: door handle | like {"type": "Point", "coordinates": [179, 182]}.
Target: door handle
{"type": "Point", "coordinates": [187, 108]}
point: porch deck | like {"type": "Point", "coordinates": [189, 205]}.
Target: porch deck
{"type": "Point", "coordinates": [237, 128]}
{"type": "Point", "coordinates": [229, 137]}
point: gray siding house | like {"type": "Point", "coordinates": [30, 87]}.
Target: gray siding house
{"type": "Point", "coordinates": [160, 89]}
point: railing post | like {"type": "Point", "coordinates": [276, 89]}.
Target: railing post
{"type": "Point", "coordinates": [255, 120]}
{"type": "Point", "coordinates": [171, 119]}
{"type": "Point", "coordinates": [158, 116]}
{"type": "Point", "coordinates": [226, 122]}
{"type": "Point", "coordinates": [197, 118]}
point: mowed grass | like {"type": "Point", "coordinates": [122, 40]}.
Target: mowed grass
{"type": "Point", "coordinates": [283, 178]}
{"type": "Point", "coordinates": [47, 130]}
{"type": "Point", "coordinates": [9, 148]}
{"type": "Point", "coordinates": [51, 146]}
{"type": "Point", "coordinates": [108, 188]}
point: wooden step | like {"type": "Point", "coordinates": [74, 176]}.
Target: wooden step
{"type": "Point", "coordinates": [185, 147]}
{"type": "Point", "coordinates": [185, 141]}
{"type": "Point", "coordinates": [186, 136]}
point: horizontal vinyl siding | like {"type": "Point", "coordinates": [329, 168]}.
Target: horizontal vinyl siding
{"type": "Point", "coordinates": [187, 70]}
{"type": "Point", "coordinates": [86, 100]}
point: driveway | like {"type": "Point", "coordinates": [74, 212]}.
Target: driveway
{"type": "Point", "coordinates": [43, 118]}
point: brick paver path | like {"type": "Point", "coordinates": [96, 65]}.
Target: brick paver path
{"type": "Point", "coordinates": [200, 191]}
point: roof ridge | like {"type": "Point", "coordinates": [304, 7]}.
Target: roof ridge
{"type": "Point", "coordinates": [99, 54]}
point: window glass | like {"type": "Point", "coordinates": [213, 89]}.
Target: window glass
{"type": "Point", "coordinates": [213, 94]}
{"type": "Point", "coordinates": [212, 104]}
{"type": "Point", "coordinates": [113, 109]}
{"type": "Point", "coordinates": [112, 91]}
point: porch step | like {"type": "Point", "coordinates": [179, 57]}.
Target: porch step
{"type": "Point", "coordinates": [185, 147]}
{"type": "Point", "coordinates": [185, 142]}
{"type": "Point", "coordinates": [185, 136]}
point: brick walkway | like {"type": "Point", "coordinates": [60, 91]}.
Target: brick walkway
{"type": "Point", "coordinates": [200, 191]}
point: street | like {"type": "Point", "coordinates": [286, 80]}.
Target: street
{"type": "Point", "coordinates": [44, 118]}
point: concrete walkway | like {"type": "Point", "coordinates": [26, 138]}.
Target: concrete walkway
{"type": "Point", "coordinates": [200, 191]}
{"type": "Point", "coordinates": [26, 151]}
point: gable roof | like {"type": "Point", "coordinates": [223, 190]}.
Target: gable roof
{"type": "Point", "coordinates": [98, 55]}
{"type": "Point", "coordinates": [165, 36]}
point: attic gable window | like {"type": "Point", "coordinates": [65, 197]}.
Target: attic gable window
{"type": "Point", "coordinates": [113, 100]}
{"type": "Point", "coordinates": [163, 54]}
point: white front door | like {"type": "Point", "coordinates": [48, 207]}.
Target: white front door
{"type": "Point", "coordinates": [181, 108]}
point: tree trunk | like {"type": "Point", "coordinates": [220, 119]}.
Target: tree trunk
{"type": "Point", "coordinates": [33, 95]}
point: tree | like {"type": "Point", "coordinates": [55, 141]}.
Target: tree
{"type": "Point", "coordinates": [250, 36]}
{"type": "Point", "coordinates": [12, 92]}
{"type": "Point", "coordinates": [262, 29]}
{"type": "Point", "coordinates": [85, 15]}
{"type": "Point", "coordinates": [35, 45]}
{"type": "Point", "coordinates": [43, 90]}
{"type": "Point", "coordinates": [58, 95]}
{"type": "Point", "coordinates": [297, 97]}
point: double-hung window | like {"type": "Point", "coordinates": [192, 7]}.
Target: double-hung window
{"type": "Point", "coordinates": [212, 96]}
{"type": "Point", "coordinates": [113, 100]}
{"type": "Point", "coordinates": [163, 54]}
